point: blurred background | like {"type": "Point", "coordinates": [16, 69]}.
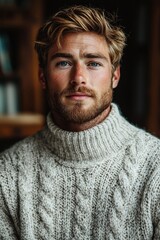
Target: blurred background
{"type": "Point", "coordinates": [22, 103]}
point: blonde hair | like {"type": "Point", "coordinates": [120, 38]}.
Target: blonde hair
{"type": "Point", "coordinates": [79, 19]}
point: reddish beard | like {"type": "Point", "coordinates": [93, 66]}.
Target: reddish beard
{"type": "Point", "coordinates": [75, 113]}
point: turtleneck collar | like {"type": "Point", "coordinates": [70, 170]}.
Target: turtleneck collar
{"type": "Point", "coordinates": [91, 145]}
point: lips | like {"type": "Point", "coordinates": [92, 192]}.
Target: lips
{"type": "Point", "coordinates": [78, 95]}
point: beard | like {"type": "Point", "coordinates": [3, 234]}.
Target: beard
{"type": "Point", "coordinates": [77, 112]}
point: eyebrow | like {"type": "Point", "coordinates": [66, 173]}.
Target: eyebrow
{"type": "Point", "coordinates": [85, 55]}
{"type": "Point", "coordinates": [62, 55]}
{"type": "Point", "coordinates": [95, 55]}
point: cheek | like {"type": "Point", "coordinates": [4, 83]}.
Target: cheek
{"type": "Point", "coordinates": [101, 80]}
{"type": "Point", "coordinates": [57, 82]}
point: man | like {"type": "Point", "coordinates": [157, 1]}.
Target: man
{"type": "Point", "coordinates": [88, 174]}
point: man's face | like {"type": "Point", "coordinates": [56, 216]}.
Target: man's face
{"type": "Point", "coordinates": [80, 79]}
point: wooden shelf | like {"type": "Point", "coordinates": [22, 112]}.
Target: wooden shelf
{"type": "Point", "coordinates": [20, 24]}
{"type": "Point", "coordinates": [20, 125]}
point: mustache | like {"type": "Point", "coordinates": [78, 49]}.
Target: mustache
{"type": "Point", "coordinates": [80, 89]}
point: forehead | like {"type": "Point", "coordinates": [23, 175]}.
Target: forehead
{"type": "Point", "coordinates": [81, 42]}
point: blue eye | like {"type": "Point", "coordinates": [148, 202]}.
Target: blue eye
{"type": "Point", "coordinates": [94, 64]}
{"type": "Point", "coordinates": [63, 64]}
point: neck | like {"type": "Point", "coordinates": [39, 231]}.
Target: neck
{"type": "Point", "coordinates": [77, 127]}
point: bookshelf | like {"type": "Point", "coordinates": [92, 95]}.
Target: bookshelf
{"type": "Point", "coordinates": [21, 97]}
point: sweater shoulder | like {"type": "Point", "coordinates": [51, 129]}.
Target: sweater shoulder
{"type": "Point", "coordinates": [141, 145]}
{"type": "Point", "coordinates": [21, 151]}
{"type": "Point", "coordinates": [147, 140]}
{"type": "Point", "coordinates": [141, 137]}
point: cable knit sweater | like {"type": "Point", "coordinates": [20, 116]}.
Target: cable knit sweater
{"type": "Point", "coordinates": [101, 183]}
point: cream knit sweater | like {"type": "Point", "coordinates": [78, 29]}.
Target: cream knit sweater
{"type": "Point", "coordinates": [102, 183]}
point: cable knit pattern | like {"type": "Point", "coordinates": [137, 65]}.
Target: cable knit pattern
{"type": "Point", "coordinates": [122, 193]}
{"type": "Point", "coordinates": [82, 210]}
{"type": "Point", "coordinates": [99, 184]}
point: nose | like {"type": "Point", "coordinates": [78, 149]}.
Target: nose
{"type": "Point", "coordinates": [79, 75]}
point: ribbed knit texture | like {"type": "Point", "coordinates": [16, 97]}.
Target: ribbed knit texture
{"type": "Point", "coordinates": [101, 183]}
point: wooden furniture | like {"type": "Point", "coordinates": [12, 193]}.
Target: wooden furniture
{"type": "Point", "coordinates": [20, 125]}
{"type": "Point", "coordinates": [154, 88]}
{"type": "Point", "coordinates": [21, 24]}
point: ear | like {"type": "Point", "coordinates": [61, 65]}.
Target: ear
{"type": "Point", "coordinates": [116, 77]}
{"type": "Point", "coordinates": [42, 78]}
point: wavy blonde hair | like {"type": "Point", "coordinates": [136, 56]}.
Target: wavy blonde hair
{"type": "Point", "coordinates": [79, 19]}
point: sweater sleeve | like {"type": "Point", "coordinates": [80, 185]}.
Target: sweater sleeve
{"type": "Point", "coordinates": [8, 201]}
{"type": "Point", "coordinates": [156, 209]}
{"type": "Point", "coordinates": [7, 229]}
{"type": "Point", "coordinates": [151, 203]}
{"type": "Point", "coordinates": [149, 178]}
